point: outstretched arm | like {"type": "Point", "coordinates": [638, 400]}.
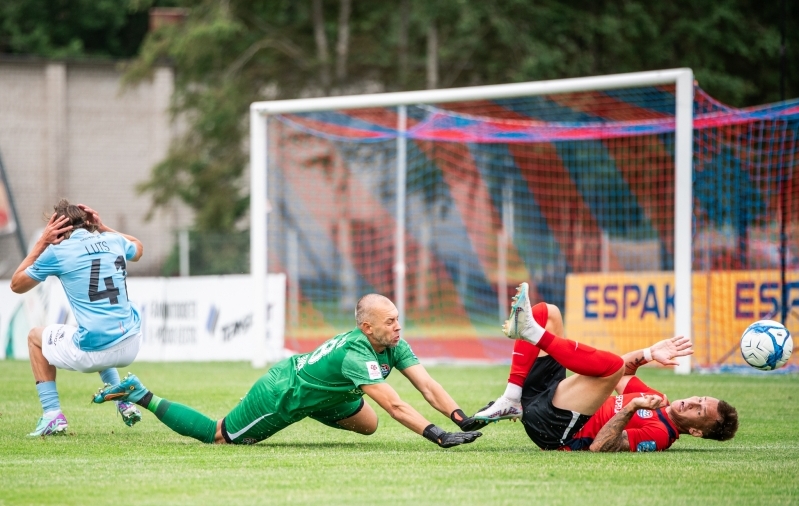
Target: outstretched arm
{"type": "Point", "coordinates": [612, 437]}
{"type": "Point", "coordinates": [94, 219]}
{"type": "Point", "coordinates": [388, 399]}
{"type": "Point", "coordinates": [437, 397]}
{"type": "Point", "coordinates": [664, 352]}
{"type": "Point", "coordinates": [401, 411]}
{"type": "Point", "coordinates": [53, 234]}
{"type": "Point", "coordinates": [430, 389]}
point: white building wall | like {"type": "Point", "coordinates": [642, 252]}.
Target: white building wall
{"type": "Point", "coordinates": [68, 129]}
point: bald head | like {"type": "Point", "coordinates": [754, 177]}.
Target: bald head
{"type": "Point", "coordinates": [365, 308]}
{"type": "Point", "coordinates": [378, 319]}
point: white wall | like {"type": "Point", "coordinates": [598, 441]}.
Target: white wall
{"type": "Point", "coordinates": [68, 129]}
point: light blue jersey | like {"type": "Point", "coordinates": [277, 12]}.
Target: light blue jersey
{"type": "Point", "coordinates": [92, 270]}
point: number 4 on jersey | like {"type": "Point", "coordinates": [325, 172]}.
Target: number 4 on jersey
{"type": "Point", "coordinates": [111, 292]}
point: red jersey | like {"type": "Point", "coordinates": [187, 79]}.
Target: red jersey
{"type": "Point", "coordinates": [647, 431]}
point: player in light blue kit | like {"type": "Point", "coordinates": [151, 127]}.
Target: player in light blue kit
{"type": "Point", "coordinates": [90, 260]}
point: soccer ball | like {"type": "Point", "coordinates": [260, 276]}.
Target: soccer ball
{"type": "Point", "coordinates": [766, 345]}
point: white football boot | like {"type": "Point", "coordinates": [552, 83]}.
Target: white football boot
{"type": "Point", "coordinates": [521, 324]}
{"type": "Point", "coordinates": [501, 409]}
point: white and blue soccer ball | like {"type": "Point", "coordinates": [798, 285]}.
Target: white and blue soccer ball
{"type": "Point", "coordinates": [766, 345]}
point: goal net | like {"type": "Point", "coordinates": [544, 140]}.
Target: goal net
{"type": "Point", "coordinates": [444, 204]}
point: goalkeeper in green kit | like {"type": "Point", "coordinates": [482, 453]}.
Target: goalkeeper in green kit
{"type": "Point", "coordinates": [327, 385]}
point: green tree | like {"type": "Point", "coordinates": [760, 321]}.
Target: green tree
{"type": "Point", "coordinates": [224, 55]}
{"type": "Point", "coordinates": [230, 53]}
{"type": "Point", "coordinates": [72, 28]}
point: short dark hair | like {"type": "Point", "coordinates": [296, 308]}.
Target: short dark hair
{"type": "Point", "coordinates": [77, 216]}
{"type": "Point", "coordinates": [725, 427]}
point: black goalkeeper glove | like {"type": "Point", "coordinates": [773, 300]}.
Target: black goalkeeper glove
{"type": "Point", "coordinates": [490, 403]}
{"type": "Point", "coordinates": [448, 439]}
{"type": "Point", "coordinates": [466, 423]}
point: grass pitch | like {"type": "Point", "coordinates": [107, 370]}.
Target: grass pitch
{"type": "Point", "coordinates": [103, 462]}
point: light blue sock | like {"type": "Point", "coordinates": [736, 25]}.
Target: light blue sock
{"type": "Point", "coordinates": [110, 376]}
{"type": "Point", "coordinates": [48, 396]}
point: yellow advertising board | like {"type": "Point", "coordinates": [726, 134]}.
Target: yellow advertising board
{"type": "Point", "coordinates": [629, 310]}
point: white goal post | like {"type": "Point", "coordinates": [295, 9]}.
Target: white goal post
{"type": "Point", "coordinates": [682, 78]}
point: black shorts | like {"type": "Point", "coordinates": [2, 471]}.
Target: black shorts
{"type": "Point", "coordinates": [549, 427]}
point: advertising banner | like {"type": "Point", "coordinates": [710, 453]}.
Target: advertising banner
{"type": "Point", "coordinates": [8, 304]}
{"type": "Point", "coordinates": [619, 311]}
{"type": "Point", "coordinates": [198, 318]}
{"type": "Point", "coordinates": [631, 310]}
{"type": "Point", "coordinates": [20, 313]}
{"type": "Point", "coordinates": [205, 318]}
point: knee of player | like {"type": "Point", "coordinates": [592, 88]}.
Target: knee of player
{"type": "Point", "coordinates": [35, 336]}
{"type": "Point", "coordinates": [370, 427]}
{"type": "Point", "coordinates": [219, 439]}
{"type": "Point", "coordinates": [554, 320]}
{"type": "Point", "coordinates": [618, 367]}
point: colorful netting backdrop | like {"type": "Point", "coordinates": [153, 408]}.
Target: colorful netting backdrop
{"type": "Point", "coordinates": [571, 189]}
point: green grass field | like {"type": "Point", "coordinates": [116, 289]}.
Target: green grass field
{"type": "Point", "coordinates": [103, 462]}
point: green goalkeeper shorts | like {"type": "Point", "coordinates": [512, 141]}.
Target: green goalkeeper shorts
{"type": "Point", "coordinates": [251, 420]}
{"type": "Point", "coordinates": [339, 412]}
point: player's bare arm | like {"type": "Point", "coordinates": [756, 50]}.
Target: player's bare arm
{"type": "Point", "coordinates": [53, 234]}
{"type": "Point", "coordinates": [437, 397]}
{"type": "Point", "coordinates": [94, 219]}
{"type": "Point", "coordinates": [612, 437]}
{"type": "Point", "coordinates": [430, 389]}
{"type": "Point", "coordinates": [388, 399]}
{"type": "Point", "coordinates": [664, 352]}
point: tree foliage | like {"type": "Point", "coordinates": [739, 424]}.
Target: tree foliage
{"type": "Point", "coordinates": [229, 53]}
{"type": "Point", "coordinates": [72, 28]}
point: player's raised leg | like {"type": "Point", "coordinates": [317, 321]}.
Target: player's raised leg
{"type": "Point", "coordinates": [52, 422]}
{"type": "Point", "coordinates": [508, 405]}
{"type": "Point", "coordinates": [596, 371]}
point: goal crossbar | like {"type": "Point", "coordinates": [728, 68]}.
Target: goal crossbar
{"type": "Point", "coordinates": [495, 91]}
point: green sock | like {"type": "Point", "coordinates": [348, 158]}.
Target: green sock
{"type": "Point", "coordinates": [183, 419]}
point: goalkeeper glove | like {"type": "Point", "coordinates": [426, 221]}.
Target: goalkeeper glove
{"type": "Point", "coordinates": [448, 439]}
{"type": "Point", "coordinates": [467, 424]}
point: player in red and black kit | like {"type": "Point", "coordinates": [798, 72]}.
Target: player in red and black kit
{"type": "Point", "coordinates": [578, 412]}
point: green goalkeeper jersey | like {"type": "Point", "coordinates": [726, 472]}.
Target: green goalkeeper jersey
{"type": "Point", "coordinates": [332, 374]}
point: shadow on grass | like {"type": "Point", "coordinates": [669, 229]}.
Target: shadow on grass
{"type": "Point", "coordinates": [313, 446]}
{"type": "Point", "coordinates": [719, 450]}
{"type": "Point", "coordinates": [366, 446]}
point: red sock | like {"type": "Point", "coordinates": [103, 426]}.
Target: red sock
{"type": "Point", "coordinates": [525, 353]}
{"type": "Point", "coordinates": [580, 358]}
